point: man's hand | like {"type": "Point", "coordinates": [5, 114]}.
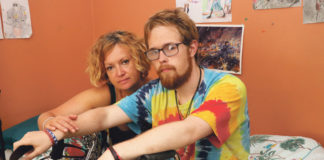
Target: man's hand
{"type": "Point", "coordinates": [62, 123]}
{"type": "Point", "coordinates": [38, 139]}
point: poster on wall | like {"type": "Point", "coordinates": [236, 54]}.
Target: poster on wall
{"type": "Point", "coordinates": [201, 11]}
{"type": "Point", "coordinates": [16, 19]}
{"type": "Point", "coordinates": [313, 11]}
{"type": "Point", "coordinates": [268, 4]}
{"type": "Point", "coordinates": [220, 47]}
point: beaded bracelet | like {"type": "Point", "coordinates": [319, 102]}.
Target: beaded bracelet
{"type": "Point", "coordinates": [114, 153]}
{"type": "Point", "coordinates": [51, 135]}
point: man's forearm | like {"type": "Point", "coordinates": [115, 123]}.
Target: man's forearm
{"type": "Point", "coordinates": [88, 122]}
{"type": "Point", "coordinates": [95, 120]}
{"type": "Point", "coordinates": [165, 137]}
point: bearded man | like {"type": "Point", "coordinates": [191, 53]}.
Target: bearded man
{"type": "Point", "coordinates": [200, 113]}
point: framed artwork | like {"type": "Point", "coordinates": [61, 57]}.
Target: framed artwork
{"type": "Point", "coordinates": [220, 47]}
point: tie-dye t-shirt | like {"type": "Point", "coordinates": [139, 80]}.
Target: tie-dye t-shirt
{"type": "Point", "coordinates": [220, 101]}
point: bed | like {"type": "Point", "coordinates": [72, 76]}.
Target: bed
{"type": "Point", "coordinates": [279, 147]}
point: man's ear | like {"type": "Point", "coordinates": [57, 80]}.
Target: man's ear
{"type": "Point", "coordinates": [193, 47]}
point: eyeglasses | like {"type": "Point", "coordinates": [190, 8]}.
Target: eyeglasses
{"type": "Point", "coordinates": [169, 50]}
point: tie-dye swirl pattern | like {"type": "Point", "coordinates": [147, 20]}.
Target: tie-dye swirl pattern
{"type": "Point", "coordinates": [221, 101]}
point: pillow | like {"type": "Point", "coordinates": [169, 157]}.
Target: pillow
{"type": "Point", "coordinates": [285, 147]}
{"type": "Point", "coordinates": [16, 132]}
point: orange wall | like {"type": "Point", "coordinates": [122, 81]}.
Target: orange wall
{"type": "Point", "coordinates": [44, 71]}
{"type": "Point", "coordinates": [281, 60]}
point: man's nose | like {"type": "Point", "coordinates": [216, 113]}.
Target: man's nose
{"type": "Point", "coordinates": [162, 56]}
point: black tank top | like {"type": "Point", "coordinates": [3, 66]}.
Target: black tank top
{"type": "Point", "coordinates": [115, 134]}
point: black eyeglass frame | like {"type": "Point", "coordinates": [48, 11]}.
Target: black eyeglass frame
{"type": "Point", "coordinates": [162, 49]}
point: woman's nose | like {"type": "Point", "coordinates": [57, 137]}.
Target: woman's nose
{"type": "Point", "coordinates": [120, 71]}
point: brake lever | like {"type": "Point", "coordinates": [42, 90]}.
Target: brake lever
{"type": "Point", "coordinates": [20, 151]}
{"type": "Point", "coordinates": [159, 156]}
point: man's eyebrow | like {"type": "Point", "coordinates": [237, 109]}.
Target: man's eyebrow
{"type": "Point", "coordinates": [153, 48]}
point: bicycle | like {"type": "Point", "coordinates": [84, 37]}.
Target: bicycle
{"type": "Point", "coordinates": [57, 153]}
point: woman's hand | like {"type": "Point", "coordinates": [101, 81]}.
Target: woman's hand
{"type": "Point", "coordinates": [38, 139]}
{"type": "Point", "coordinates": [62, 123]}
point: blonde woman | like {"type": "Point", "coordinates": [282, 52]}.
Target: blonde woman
{"type": "Point", "coordinates": [117, 67]}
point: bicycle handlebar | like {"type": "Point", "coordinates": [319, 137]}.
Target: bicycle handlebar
{"type": "Point", "coordinates": [159, 156]}
{"type": "Point", "coordinates": [20, 151]}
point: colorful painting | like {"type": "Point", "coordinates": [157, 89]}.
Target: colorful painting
{"type": "Point", "coordinates": [220, 47]}
{"type": "Point", "coordinates": [313, 11]}
{"type": "Point", "coordinates": [268, 4]}
{"type": "Point", "coordinates": [16, 19]}
{"type": "Point", "coordinates": [207, 10]}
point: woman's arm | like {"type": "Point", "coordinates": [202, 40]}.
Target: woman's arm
{"type": "Point", "coordinates": [88, 99]}
{"type": "Point", "coordinates": [89, 122]}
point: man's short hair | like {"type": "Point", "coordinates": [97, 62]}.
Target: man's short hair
{"type": "Point", "coordinates": [174, 17]}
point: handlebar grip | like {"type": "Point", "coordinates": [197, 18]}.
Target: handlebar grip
{"type": "Point", "coordinates": [20, 151]}
{"type": "Point", "coordinates": [159, 156]}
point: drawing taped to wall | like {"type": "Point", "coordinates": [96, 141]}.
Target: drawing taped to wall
{"type": "Point", "coordinates": [16, 19]}
{"type": "Point", "coordinates": [268, 4]}
{"type": "Point", "coordinates": [192, 8]}
{"type": "Point", "coordinates": [220, 47]}
{"type": "Point", "coordinates": [207, 10]}
{"type": "Point", "coordinates": [1, 35]}
{"type": "Point", "coordinates": [313, 11]}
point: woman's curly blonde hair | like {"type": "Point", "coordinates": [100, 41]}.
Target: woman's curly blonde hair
{"type": "Point", "coordinates": [104, 44]}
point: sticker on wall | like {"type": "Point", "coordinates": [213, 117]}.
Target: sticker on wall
{"type": "Point", "coordinates": [313, 11]}
{"type": "Point", "coordinates": [207, 10]}
{"type": "Point", "coordinates": [220, 47]}
{"type": "Point", "coordinates": [268, 4]}
{"type": "Point", "coordinates": [16, 19]}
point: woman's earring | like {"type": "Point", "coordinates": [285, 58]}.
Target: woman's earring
{"type": "Point", "coordinates": [142, 75]}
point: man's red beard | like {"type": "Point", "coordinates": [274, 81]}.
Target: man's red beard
{"type": "Point", "coordinates": [171, 79]}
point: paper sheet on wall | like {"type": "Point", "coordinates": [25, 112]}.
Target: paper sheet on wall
{"type": "Point", "coordinates": [207, 10]}
{"type": "Point", "coordinates": [313, 11]}
{"type": "Point", "coordinates": [16, 18]}
{"type": "Point", "coordinates": [1, 35]}
{"type": "Point", "coordinates": [268, 4]}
